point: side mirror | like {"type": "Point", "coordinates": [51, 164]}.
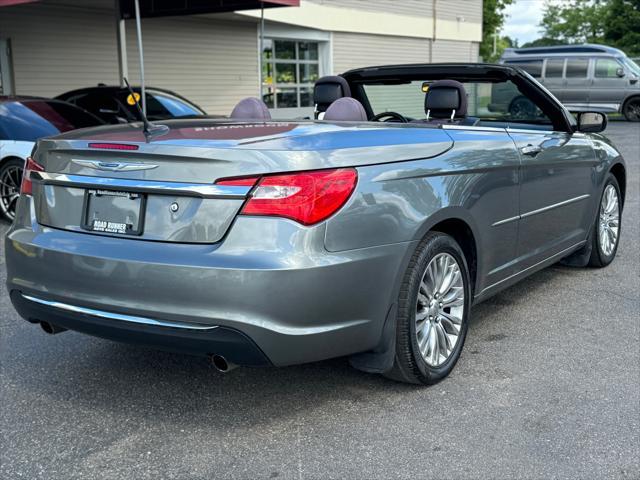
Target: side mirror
{"type": "Point", "coordinates": [620, 72]}
{"type": "Point", "coordinates": [592, 122]}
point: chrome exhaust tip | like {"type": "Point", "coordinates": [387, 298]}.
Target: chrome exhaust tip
{"type": "Point", "coordinates": [51, 329]}
{"type": "Point", "coordinates": [221, 364]}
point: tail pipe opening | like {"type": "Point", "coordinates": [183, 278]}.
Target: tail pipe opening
{"type": "Point", "coordinates": [51, 329]}
{"type": "Point", "coordinates": [222, 364]}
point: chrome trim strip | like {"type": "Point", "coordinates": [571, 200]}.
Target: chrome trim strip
{"type": "Point", "coordinates": [555, 205]}
{"type": "Point", "coordinates": [506, 220]}
{"type": "Point", "coordinates": [540, 210]}
{"type": "Point", "coordinates": [118, 316]}
{"type": "Point", "coordinates": [552, 257]}
{"type": "Point", "coordinates": [203, 190]}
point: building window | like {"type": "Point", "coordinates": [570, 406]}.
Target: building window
{"type": "Point", "coordinates": [289, 70]}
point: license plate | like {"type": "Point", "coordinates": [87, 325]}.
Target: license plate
{"type": "Point", "coordinates": [120, 213]}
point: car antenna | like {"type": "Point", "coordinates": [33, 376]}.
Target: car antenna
{"type": "Point", "coordinates": [149, 129]}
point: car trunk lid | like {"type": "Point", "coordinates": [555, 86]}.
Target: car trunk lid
{"type": "Point", "coordinates": [165, 190]}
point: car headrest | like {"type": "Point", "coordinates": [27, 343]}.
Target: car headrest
{"type": "Point", "coordinates": [327, 90]}
{"type": "Point", "coordinates": [446, 99]}
{"type": "Point", "coordinates": [346, 109]}
{"type": "Point", "coordinates": [251, 108]}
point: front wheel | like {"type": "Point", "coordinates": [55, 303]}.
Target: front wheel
{"type": "Point", "coordinates": [607, 227]}
{"type": "Point", "coordinates": [433, 311]}
{"type": "Point", "coordinates": [631, 109]}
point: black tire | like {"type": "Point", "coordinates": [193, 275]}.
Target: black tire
{"type": "Point", "coordinates": [631, 109]}
{"type": "Point", "coordinates": [599, 258]}
{"type": "Point", "coordinates": [409, 365]}
{"type": "Point", "coordinates": [10, 174]}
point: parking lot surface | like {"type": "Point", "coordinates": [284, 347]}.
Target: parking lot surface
{"type": "Point", "coordinates": [548, 386]}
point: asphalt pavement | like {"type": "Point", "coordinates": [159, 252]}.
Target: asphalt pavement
{"type": "Point", "coordinates": [548, 386]}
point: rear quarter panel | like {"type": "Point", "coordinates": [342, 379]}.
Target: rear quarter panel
{"type": "Point", "coordinates": [476, 181]}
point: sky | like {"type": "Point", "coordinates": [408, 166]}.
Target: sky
{"type": "Point", "coordinates": [523, 19]}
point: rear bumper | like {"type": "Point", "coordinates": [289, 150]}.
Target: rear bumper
{"type": "Point", "coordinates": [281, 291]}
{"type": "Point", "coordinates": [230, 343]}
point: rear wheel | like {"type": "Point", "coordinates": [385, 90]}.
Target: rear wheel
{"type": "Point", "coordinates": [10, 180]}
{"type": "Point", "coordinates": [607, 228]}
{"type": "Point", "coordinates": [631, 109]}
{"type": "Point", "coordinates": [433, 309]}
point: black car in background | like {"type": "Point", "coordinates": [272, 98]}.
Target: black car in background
{"type": "Point", "coordinates": [115, 104]}
{"type": "Point", "coordinates": [23, 120]}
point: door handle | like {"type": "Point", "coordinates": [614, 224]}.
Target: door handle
{"type": "Point", "coordinates": [531, 150]}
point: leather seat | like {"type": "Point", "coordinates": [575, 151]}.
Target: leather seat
{"type": "Point", "coordinates": [445, 102]}
{"type": "Point", "coordinates": [251, 108]}
{"type": "Point", "coordinates": [346, 109]}
{"type": "Point", "coordinates": [327, 90]}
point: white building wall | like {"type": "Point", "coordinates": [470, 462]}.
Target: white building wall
{"type": "Point", "coordinates": [352, 50]}
{"type": "Point", "coordinates": [454, 51]}
{"type": "Point", "coordinates": [422, 8]}
{"type": "Point", "coordinates": [213, 63]}
{"type": "Point", "coordinates": [57, 48]}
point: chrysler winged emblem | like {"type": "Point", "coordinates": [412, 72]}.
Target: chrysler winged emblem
{"type": "Point", "coordinates": [114, 166]}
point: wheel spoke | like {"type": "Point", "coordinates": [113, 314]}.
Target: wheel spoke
{"type": "Point", "coordinates": [423, 342]}
{"type": "Point", "coordinates": [455, 298]}
{"type": "Point", "coordinates": [449, 326]}
{"type": "Point", "coordinates": [424, 294]}
{"type": "Point", "coordinates": [435, 347]}
{"type": "Point", "coordinates": [604, 240]}
{"type": "Point", "coordinates": [443, 341]}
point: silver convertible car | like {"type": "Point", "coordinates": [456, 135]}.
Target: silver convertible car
{"type": "Point", "coordinates": [367, 232]}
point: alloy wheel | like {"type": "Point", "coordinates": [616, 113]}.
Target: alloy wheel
{"type": "Point", "coordinates": [10, 180]}
{"type": "Point", "coordinates": [609, 225]}
{"type": "Point", "coordinates": [440, 309]}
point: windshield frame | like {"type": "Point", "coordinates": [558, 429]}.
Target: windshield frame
{"type": "Point", "coordinates": [560, 117]}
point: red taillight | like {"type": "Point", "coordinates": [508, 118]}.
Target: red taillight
{"type": "Point", "coordinates": [113, 146]}
{"type": "Point", "coordinates": [29, 166]}
{"type": "Point", "coordinates": [306, 197]}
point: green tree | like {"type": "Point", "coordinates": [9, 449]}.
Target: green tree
{"type": "Point", "coordinates": [543, 42]}
{"type": "Point", "coordinates": [574, 21]}
{"type": "Point", "coordinates": [609, 22]}
{"type": "Point", "coordinates": [622, 26]}
{"type": "Point", "coordinates": [493, 18]}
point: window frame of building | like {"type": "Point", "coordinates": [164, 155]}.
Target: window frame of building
{"type": "Point", "coordinates": [323, 39]}
{"type": "Point", "coordinates": [273, 64]}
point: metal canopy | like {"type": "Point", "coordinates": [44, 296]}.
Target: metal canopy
{"type": "Point", "coordinates": [166, 8]}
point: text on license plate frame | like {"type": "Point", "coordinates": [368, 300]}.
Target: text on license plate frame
{"type": "Point", "coordinates": [108, 225]}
